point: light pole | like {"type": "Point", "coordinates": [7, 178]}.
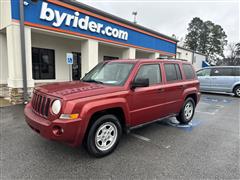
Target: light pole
{"type": "Point", "coordinates": [134, 13]}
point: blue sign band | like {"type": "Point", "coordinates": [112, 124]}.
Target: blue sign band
{"type": "Point", "coordinates": [51, 15]}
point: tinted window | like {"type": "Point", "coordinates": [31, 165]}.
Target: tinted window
{"type": "Point", "coordinates": [43, 63]}
{"type": "Point", "coordinates": [173, 72]}
{"type": "Point", "coordinates": [150, 71]}
{"type": "Point", "coordinates": [222, 72]}
{"type": "Point", "coordinates": [179, 75]}
{"type": "Point", "coordinates": [237, 71]}
{"type": "Point", "coordinates": [188, 71]}
{"type": "Point", "coordinates": [204, 72]}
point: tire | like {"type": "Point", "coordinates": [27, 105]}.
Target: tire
{"type": "Point", "coordinates": [187, 111]}
{"type": "Point", "coordinates": [104, 136]}
{"type": "Point", "coordinates": [236, 91]}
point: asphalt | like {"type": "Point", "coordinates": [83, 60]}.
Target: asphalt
{"type": "Point", "coordinates": [206, 149]}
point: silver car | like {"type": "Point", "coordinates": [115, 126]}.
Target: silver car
{"type": "Point", "coordinates": [220, 79]}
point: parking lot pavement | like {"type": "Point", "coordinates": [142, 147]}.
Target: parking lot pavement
{"type": "Point", "coordinates": [207, 148]}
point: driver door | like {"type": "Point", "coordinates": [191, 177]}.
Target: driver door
{"type": "Point", "coordinates": [146, 101]}
{"type": "Point", "coordinates": [205, 79]}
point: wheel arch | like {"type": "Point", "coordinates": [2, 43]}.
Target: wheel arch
{"type": "Point", "coordinates": [235, 85]}
{"type": "Point", "coordinates": [193, 96]}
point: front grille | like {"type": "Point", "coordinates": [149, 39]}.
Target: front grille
{"type": "Point", "coordinates": [41, 104]}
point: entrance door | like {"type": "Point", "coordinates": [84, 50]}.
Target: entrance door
{"type": "Point", "coordinates": [76, 66]}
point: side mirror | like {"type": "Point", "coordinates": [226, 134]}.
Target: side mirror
{"type": "Point", "coordinates": [140, 83]}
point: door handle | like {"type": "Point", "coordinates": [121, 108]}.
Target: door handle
{"type": "Point", "coordinates": [161, 90]}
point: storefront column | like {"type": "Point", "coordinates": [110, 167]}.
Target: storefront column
{"type": "Point", "coordinates": [89, 52]}
{"type": "Point", "coordinates": [129, 53]}
{"type": "Point", "coordinates": [154, 55]}
{"type": "Point", "coordinates": [15, 79]}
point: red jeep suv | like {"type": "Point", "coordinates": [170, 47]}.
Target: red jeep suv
{"type": "Point", "coordinates": [115, 96]}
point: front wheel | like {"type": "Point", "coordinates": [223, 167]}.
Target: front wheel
{"type": "Point", "coordinates": [104, 135]}
{"type": "Point", "coordinates": [187, 111]}
{"type": "Point", "coordinates": [236, 91]}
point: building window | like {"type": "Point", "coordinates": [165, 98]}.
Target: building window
{"type": "Point", "coordinates": [107, 58]}
{"type": "Point", "coordinates": [43, 63]}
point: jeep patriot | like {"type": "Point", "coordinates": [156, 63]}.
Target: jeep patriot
{"type": "Point", "coordinates": [114, 97]}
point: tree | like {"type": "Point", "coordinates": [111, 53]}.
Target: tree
{"type": "Point", "coordinates": [207, 38]}
{"type": "Point", "coordinates": [233, 57]}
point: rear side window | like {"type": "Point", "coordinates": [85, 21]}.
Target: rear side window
{"type": "Point", "coordinates": [151, 72]}
{"type": "Point", "coordinates": [188, 71]}
{"type": "Point", "coordinates": [237, 71]}
{"type": "Point", "coordinates": [173, 72]}
{"type": "Point", "coordinates": [222, 72]}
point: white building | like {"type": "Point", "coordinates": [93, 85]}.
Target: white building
{"type": "Point", "coordinates": [196, 58]}
{"type": "Point", "coordinates": [54, 28]}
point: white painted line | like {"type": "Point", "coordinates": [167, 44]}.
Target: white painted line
{"type": "Point", "coordinates": [213, 113]}
{"type": "Point", "coordinates": [167, 146]}
{"type": "Point", "coordinates": [140, 137]}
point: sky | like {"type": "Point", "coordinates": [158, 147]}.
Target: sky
{"type": "Point", "coordinates": [172, 16]}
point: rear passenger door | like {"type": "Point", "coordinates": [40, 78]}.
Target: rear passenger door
{"type": "Point", "coordinates": [222, 79]}
{"type": "Point", "coordinates": [173, 87]}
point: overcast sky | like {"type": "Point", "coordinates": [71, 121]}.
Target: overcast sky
{"type": "Point", "coordinates": [172, 17]}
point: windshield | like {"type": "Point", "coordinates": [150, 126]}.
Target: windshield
{"type": "Point", "coordinates": [112, 73]}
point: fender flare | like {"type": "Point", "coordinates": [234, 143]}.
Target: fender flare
{"type": "Point", "coordinates": [90, 108]}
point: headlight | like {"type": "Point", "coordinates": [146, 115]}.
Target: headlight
{"type": "Point", "coordinates": [56, 106]}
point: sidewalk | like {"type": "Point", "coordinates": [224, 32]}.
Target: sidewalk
{"type": "Point", "coordinates": [4, 102]}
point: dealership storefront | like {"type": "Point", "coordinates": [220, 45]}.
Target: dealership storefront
{"type": "Point", "coordinates": [54, 28]}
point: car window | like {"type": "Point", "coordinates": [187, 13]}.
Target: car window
{"type": "Point", "coordinates": [179, 75]}
{"type": "Point", "coordinates": [188, 71]}
{"type": "Point", "coordinates": [172, 71]}
{"type": "Point", "coordinates": [151, 72]}
{"type": "Point", "coordinates": [222, 72]}
{"type": "Point", "coordinates": [237, 71]}
{"type": "Point", "coordinates": [204, 72]}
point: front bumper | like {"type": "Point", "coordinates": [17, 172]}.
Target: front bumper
{"type": "Point", "coordinates": [70, 128]}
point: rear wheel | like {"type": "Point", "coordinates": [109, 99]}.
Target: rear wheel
{"type": "Point", "coordinates": [187, 111]}
{"type": "Point", "coordinates": [104, 135]}
{"type": "Point", "coordinates": [236, 91]}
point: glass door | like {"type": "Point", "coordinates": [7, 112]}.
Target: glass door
{"type": "Point", "coordinates": [76, 66]}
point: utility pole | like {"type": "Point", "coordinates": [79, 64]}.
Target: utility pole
{"type": "Point", "coordinates": [134, 13]}
{"type": "Point", "coordinates": [23, 51]}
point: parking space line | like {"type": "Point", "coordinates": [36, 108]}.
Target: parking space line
{"type": "Point", "coordinates": [210, 113]}
{"type": "Point", "coordinates": [140, 137]}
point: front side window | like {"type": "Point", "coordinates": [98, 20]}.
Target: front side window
{"type": "Point", "coordinates": [204, 72]}
{"type": "Point", "coordinates": [173, 72]}
{"type": "Point", "coordinates": [43, 63]}
{"type": "Point", "coordinates": [222, 72]}
{"type": "Point", "coordinates": [150, 72]}
{"type": "Point", "coordinates": [112, 73]}
{"type": "Point", "coordinates": [188, 71]}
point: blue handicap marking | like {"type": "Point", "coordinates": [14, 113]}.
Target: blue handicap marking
{"type": "Point", "coordinates": [215, 100]}
{"type": "Point", "coordinates": [174, 123]}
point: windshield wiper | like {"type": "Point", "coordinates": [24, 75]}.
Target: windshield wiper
{"type": "Point", "coordinates": [94, 81]}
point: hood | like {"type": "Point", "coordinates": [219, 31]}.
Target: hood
{"type": "Point", "coordinates": [76, 89]}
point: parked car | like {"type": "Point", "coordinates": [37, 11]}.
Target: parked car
{"type": "Point", "coordinates": [220, 79]}
{"type": "Point", "coordinates": [114, 97]}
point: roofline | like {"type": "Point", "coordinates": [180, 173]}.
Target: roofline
{"type": "Point", "coordinates": [180, 47]}
{"type": "Point", "coordinates": [111, 16]}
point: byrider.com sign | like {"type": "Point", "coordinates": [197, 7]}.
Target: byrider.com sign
{"type": "Point", "coordinates": [58, 19]}
{"type": "Point", "coordinates": [73, 20]}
